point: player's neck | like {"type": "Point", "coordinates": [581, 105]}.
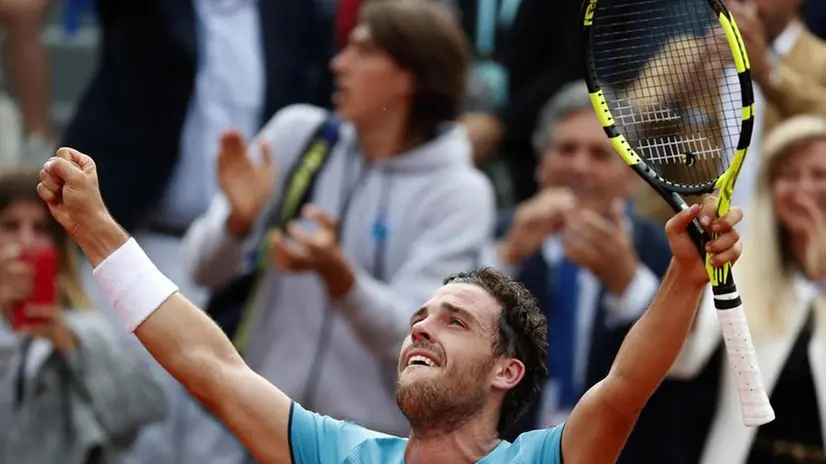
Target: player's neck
{"type": "Point", "coordinates": [467, 444]}
{"type": "Point", "coordinates": [385, 135]}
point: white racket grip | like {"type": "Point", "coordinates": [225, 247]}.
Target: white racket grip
{"type": "Point", "coordinates": [754, 401]}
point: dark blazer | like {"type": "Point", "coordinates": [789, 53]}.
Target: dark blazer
{"type": "Point", "coordinates": [131, 115]}
{"type": "Point", "coordinates": [658, 437]}
{"type": "Point", "coordinates": [542, 51]}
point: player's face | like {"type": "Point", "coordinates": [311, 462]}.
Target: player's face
{"type": "Point", "coordinates": [802, 173]}
{"type": "Point", "coordinates": [447, 363]}
{"type": "Point", "coordinates": [579, 156]}
{"type": "Point", "coordinates": [368, 81]}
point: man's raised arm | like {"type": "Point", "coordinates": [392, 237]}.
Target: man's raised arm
{"type": "Point", "coordinates": [184, 340]}
{"type": "Point", "coordinates": [601, 422]}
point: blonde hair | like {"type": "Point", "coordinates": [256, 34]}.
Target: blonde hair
{"type": "Point", "coordinates": [767, 271]}
{"type": "Point", "coordinates": [19, 185]}
{"type": "Point", "coordinates": [72, 293]}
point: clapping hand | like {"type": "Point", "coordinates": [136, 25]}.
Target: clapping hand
{"type": "Point", "coordinates": [810, 223]}
{"type": "Point", "coordinates": [247, 186]}
{"type": "Point", "coordinates": [297, 250]}
{"type": "Point", "coordinates": [605, 247]}
{"type": "Point", "coordinates": [533, 221]}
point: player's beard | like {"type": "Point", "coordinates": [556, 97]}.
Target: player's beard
{"type": "Point", "coordinates": [445, 401]}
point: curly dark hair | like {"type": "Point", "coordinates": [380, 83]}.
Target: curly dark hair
{"type": "Point", "coordinates": [523, 333]}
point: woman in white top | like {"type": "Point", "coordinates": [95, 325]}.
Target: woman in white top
{"type": "Point", "coordinates": [781, 280]}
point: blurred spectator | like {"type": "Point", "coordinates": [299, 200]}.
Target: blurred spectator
{"type": "Point", "coordinates": [686, 117]}
{"type": "Point", "coordinates": [398, 205]}
{"type": "Point", "coordinates": [782, 279]}
{"type": "Point", "coordinates": [485, 22]}
{"type": "Point", "coordinates": [593, 265]}
{"type": "Point", "coordinates": [541, 51]}
{"type": "Point", "coordinates": [25, 56]}
{"type": "Point", "coordinates": [347, 14]}
{"type": "Point", "coordinates": [173, 75]}
{"type": "Point", "coordinates": [537, 65]}
{"type": "Point", "coordinates": [788, 67]}
{"type": "Point", "coordinates": [69, 392]}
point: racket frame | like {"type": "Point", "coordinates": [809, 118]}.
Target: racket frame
{"type": "Point", "coordinates": [754, 400]}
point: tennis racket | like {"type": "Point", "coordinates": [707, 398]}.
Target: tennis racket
{"type": "Point", "coordinates": [670, 83]}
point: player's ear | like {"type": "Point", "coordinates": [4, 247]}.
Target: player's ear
{"type": "Point", "coordinates": [509, 372]}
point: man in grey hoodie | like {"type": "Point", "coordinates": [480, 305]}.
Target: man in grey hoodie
{"type": "Point", "coordinates": [398, 206]}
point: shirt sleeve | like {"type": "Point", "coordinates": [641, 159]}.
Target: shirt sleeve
{"type": "Point", "coordinates": [543, 445]}
{"type": "Point", "coordinates": [553, 442]}
{"type": "Point", "coordinates": [317, 439]}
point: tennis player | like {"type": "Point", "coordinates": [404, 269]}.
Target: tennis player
{"type": "Point", "coordinates": [473, 360]}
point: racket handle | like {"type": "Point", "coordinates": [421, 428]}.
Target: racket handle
{"type": "Point", "coordinates": [754, 401]}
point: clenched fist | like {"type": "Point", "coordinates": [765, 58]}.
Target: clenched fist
{"type": "Point", "coordinates": [69, 185]}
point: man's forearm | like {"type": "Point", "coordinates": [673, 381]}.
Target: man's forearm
{"type": "Point", "coordinates": [191, 347]}
{"type": "Point", "coordinates": [178, 335]}
{"type": "Point", "coordinates": [654, 342]}
{"type": "Point", "coordinates": [102, 240]}
{"type": "Point", "coordinates": [183, 339]}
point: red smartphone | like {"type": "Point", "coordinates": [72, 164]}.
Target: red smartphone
{"type": "Point", "coordinates": [44, 262]}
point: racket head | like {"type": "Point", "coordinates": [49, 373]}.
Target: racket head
{"type": "Point", "coordinates": [641, 58]}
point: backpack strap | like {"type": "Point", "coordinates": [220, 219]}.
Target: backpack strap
{"type": "Point", "coordinates": [300, 183]}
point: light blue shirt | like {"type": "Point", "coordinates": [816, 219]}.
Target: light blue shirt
{"type": "Point", "coordinates": [317, 439]}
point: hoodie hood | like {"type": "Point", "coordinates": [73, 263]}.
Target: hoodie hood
{"type": "Point", "coordinates": [450, 148]}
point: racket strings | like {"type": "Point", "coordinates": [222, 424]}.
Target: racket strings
{"type": "Point", "coordinates": [667, 75]}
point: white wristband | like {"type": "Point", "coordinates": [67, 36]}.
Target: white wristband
{"type": "Point", "coordinates": [132, 283]}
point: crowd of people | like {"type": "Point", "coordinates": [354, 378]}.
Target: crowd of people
{"type": "Point", "coordinates": [309, 172]}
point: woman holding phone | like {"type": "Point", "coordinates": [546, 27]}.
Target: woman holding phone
{"type": "Point", "coordinates": [69, 391]}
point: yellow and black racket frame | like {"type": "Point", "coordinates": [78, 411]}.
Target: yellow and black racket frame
{"type": "Point", "coordinates": [672, 192]}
